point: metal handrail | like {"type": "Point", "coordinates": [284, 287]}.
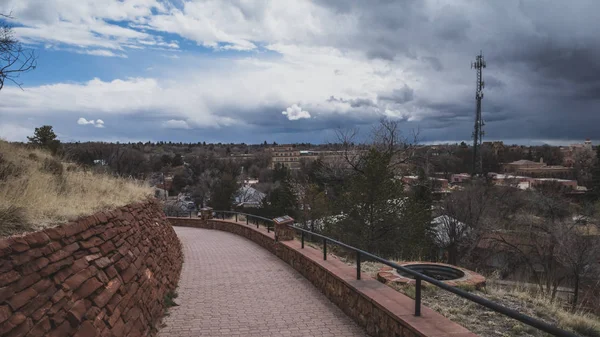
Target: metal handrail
{"type": "Point", "coordinates": [534, 322]}
{"type": "Point", "coordinates": [267, 222]}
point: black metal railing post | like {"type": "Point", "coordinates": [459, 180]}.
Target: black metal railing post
{"type": "Point", "coordinates": [247, 219]}
{"type": "Point", "coordinates": [268, 227]}
{"type": "Point", "coordinates": [358, 265]}
{"type": "Point", "coordinates": [324, 249]}
{"type": "Point", "coordinates": [236, 217]}
{"type": "Point", "coordinates": [256, 222]}
{"type": "Point", "coordinates": [417, 296]}
{"type": "Point", "coordinates": [302, 236]}
{"type": "Point", "coordinates": [190, 214]}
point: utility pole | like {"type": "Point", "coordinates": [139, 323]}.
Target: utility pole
{"type": "Point", "coordinates": [478, 133]}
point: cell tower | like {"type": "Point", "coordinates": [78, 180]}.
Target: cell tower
{"type": "Point", "coordinates": [478, 133]}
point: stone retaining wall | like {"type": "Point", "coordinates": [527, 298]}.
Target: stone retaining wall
{"type": "Point", "coordinates": [102, 275]}
{"type": "Point", "coordinates": [382, 311]}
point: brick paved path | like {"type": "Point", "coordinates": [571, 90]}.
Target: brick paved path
{"type": "Point", "coordinates": [230, 286]}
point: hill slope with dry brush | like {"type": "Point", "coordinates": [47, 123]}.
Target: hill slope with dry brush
{"type": "Point", "coordinates": [38, 190]}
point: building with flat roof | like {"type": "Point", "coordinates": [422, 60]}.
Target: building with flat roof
{"type": "Point", "coordinates": [536, 169]}
{"type": "Point", "coordinates": [291, 157]}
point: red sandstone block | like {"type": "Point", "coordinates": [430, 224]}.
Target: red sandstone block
{"type": "Point", "coordinates": [87, 233]}
{"type": "Point", "coordinates": [54, 267]}
{"type": "Point", "coordinates": [51, 248]}
{"type": "Point", "coordinates": [111, 271]}
{"type": "Point", "coordinates": [5, 247]}
{"type": "Point", "coordinates": [92, 257]}
{"type": "Point", "coordinates": [102, 218]}
{"type": "Point", "coordinates": [110, 290]}
{"type": "Point", "coordinates": [124, 249]}
{"type": "Point", "coordinates": [42, 285]}
{"type": "Point", "coordinates": [59, 295]}
{"type": "Point", "coordinates": [103, 262]}
{"type": "Point", "coordinates": [119, 328]}
{"type": "Point", "coordinates": [114, 317]}
{"type": "Point", "coordinates": [64, 253]}
{"type": "Point", "coordinates": [88, 287]}
{"type": "Point", "coordinates": [112, 304]}
{"type": "Point", "coordinates": [22, 329]}
{"type": "Point", "coordinates": [26, 281]}
{"type": "Point", "coordinates": [86, 329]}
{"type": "Point", "coordinates": [92, 313]}
{"type": "Point", "coordinates": [55, 233]}
{"type": "Point", "coordinates": [9, 277]}
{"type": "Point", "coordinates": [35, 265]}
{"type": "Point", "coordinates": [14, 321]}
{"type": "Point", "coordinates": [19, 259]}
{"type": "Point", "coordinates": [37, 239]}
{"type": "Point", "coordinates": [122, 264]}
{"type": "Point", "coordinates": [35, 304]}
{"type": "Point", "coordinates": [76, 313]}
{"type": "Point", "coordinates": [19, 244]}
{"type": "Point", "coordinates": [6, 292]}
{"type": "Point", "coordinates": [57, 307]}
{"type": "Point", "coordinates": [102, 276]}
{"type": "Point", "coordinates": [40, 328]}
{"type": "Point", "coordinates": [77, 280]}
{"type": "Point", "coordinates": [5, 265]}
{"type": "Point", "coordinates": [20, 299]}
{"type": "Point", "coordinates": [107, 247]}
{"type": "Point", "coordinates": [129, 273]}
{"type": "Point", "coordinates": [63, 330]}
{"type": "Point", "coordinates": [92, 242]}
{"type": "Point", "coordinates": [41, 311]}
{"type": "Point", "coordinates": [74, 228]}
{"type": "Point", "coordinates": [110, 233]}
{"type": "Point", "coordinates": [5, 313]}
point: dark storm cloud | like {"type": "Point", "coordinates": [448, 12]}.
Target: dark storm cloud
{"type": "Point", "coordinates": [400, 96]}
{"type": "Point", "coordinates": [354, 102]}
{"type": "Point", "coordinates": [543, 74]}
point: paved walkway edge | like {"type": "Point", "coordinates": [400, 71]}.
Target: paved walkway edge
{"type": "Point", "coordinates": [376, 307]}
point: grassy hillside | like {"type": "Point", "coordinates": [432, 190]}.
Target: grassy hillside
{"type": "Point", "coordinates": [38, 190]}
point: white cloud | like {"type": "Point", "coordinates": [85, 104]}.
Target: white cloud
{"type": "Point", "coordinates": [101, 52]}
{"type": "Point", "coordinates": [175, 124]}
{"type": "Point", "coordinates": [98, 123]}
{"type": "Point", "coordinates": [86, 24]}
{"type": "Point", "coordinates": [295, 113]}
{"type": "Point", "coordinates": [14, 133]}
{"type": "Point", "coordinates": [83, 121]}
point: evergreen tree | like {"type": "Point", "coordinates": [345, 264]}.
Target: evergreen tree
{"type": "Point", "coordinates": [177, 160]}
{"type": "Point", "coordinates": [596, 176]}
{"type": "Point", "coordinates": [45, 137]}
{"type": "Point", "coordinates": [372, 204]}
{"type": "Point", "coordinates": [223, 194]}
{"type": "Point", "coordinates": [416, 233]}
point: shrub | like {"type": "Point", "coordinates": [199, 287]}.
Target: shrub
{"type": "Point", "coordinates": [52, 166]}
{"type": "Point", "coordinates": [13, 219]}
{"type": "Point", "coordinates": [7, 168]}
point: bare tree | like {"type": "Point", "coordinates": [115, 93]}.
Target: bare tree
{"type": "Point", "coordinates": [578, 252]}
{"type": "Point", "coordinates": [464, 217]}
{"type": "Point", "coordinates": [534, 239]}
{"type": "Point", "coordinates": [14, 58]}
{"type": "Point", "coordinates": [584, 161]}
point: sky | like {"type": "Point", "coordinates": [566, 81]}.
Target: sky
{"type": "Point", "coordinates": [297, 71]}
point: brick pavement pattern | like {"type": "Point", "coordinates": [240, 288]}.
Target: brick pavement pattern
{"type": "Point", "coordinates": [230, 286]}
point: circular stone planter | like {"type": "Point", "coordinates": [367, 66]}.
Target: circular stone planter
{"type": "Point", "coordinates": [449, 274]}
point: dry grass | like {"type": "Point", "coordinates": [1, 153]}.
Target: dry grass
{"type": "Point", "coordinates": [487, 323]}
{"type": "Point", "coordinates": [37, 190]}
